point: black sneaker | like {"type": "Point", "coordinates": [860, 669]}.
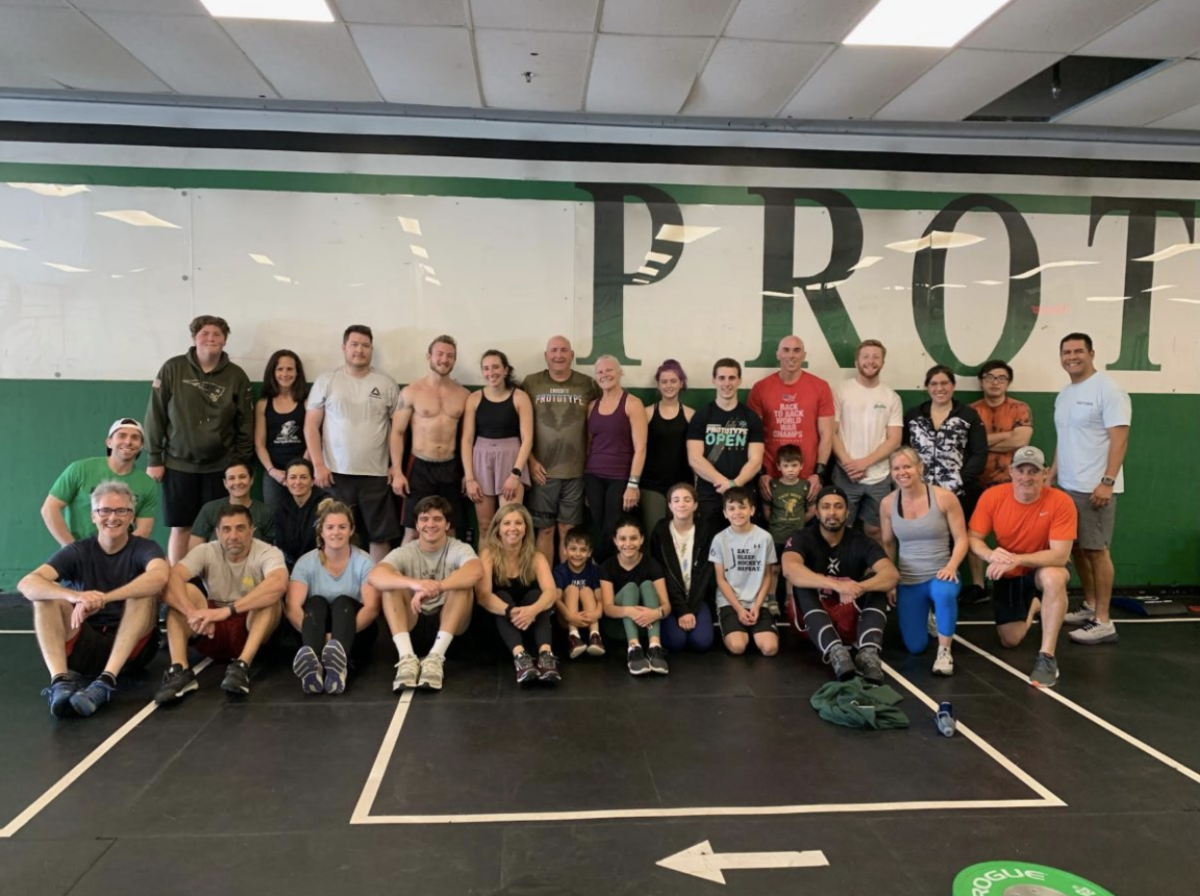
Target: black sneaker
{"type": "Point", "coordinates": [547, 668]}
{"type": "Point", "coordinates": [526, 667]}
{"type": "Point", "coordinates": [176, 682]}
{"type": "Point", "coordinates": [59, 694]}
{"type": "Point", "coordinates": [237, 679]}
{"type": "Point", "coordinates": [636, 660]}
{"type": "Point", "coordinates": [658, 659]}
{"type": "Point", "coordinates": [841, 662]}
{"type": "Point", "coordinates": [869, 665]}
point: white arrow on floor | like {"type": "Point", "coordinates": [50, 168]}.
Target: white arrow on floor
{"type": "Point", "coordinates": [700, 861]}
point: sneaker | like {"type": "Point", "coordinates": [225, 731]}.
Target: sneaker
{"type": "Point", "coordinates": [841, 662]}
{"type": "Point", "coordinates": [91, 698]}
{"type": "Point", "coordinates": [944, 664]}
{"type": "Point", "coordinates": [1093, 632]}
{"type": "Point", "coordinates": [657, 657]}
{"type": "Point", "coordinates": [526, 667]}
{"type": "Point", "coordinates": [595, 644]}
{"type": "Point", "coordinates": [578, 648]}
{"type": "Point", "coordinates": [408, 673]}
{"type": "Point", "coordinates": [1080, 616]}
{"type": "Point", "coordinates": [432, 672]}
{"type": "Point", "coordinates": [973, 594]}
{"type": "Point", "coordinates": [237, 679]}
{"type": "Point", "coordinates": [867, 661]}
{"type": "Point", "coordinates": [176, 682]}
{"type": "Point", "coordinates": [931, 625]}
{"type": "Point", "coordinates": [636, 660]}
{"type": "Point", "coordinates": [1045, 671]}
{"type": "Point", "coordinates": [773, 607]}
{"type": "Point", "coordinates": [547, 668]}
{"type": "Point", "coordinates": [59, 695]}
{"type": "Point", "coordinates": [333, 658]}
{"type": "Point", "coordinates": [308, 669]}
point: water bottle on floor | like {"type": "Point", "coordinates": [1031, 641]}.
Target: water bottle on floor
{"type": "Point", "coordinates": [945, 719]}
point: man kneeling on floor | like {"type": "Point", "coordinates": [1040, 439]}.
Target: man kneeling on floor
{"type": "Point", "coordinates": [244, 580]}
{"type": "Point", "coordinates": [426, 582]}
{"type": "Point", "coordinates": [831, 563]}
{"type": "Point", "coordinates": [1035, 526]}
{"type": "Point", "coordinates": [94, 603]}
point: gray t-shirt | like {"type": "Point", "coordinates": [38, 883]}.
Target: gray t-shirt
{"type": "Point", "coordinates": [321, 583]}
{"type": "Point", "coordinates": [746, 558]}
{"type": "Point", "coordinates": [225, 581]}
{"type": "Point", "coordinates": [560, 421]}
{"type": "Point", "coordinates": [358, 417]}
{"type": "Point", "coordinates": [409, 560]}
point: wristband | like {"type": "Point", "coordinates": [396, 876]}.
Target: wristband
{"type": "Point", "coordinates": [516, 471]}
{"type": "Point", "coordinates": [820, 471]}
{"type": "Point", "coordinates": [632, 483]}
{"type": "Point", "coordinates": [232, 610]}
{"type": "Point", "coordinates": [732, 483]}
{"type": "Point", "coordinates": [508, 613]}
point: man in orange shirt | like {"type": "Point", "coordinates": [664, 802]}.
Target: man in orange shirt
{"type": "Point", "coordinates": [1009, 426]}
{"type": "Point", "coordinates": [1035, 526]}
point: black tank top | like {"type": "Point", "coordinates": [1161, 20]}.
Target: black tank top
{"type": "Point", "coordinates": [285, 434]}
{"type": "Point", "coordinates": [497, 419]}
{"type": "Point", "coordinates": [666, 452]}
{"type": "Point", "coordinates": [516, 589]}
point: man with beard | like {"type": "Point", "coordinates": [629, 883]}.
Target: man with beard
{"type": "Point", "coordinates": [434, 406]}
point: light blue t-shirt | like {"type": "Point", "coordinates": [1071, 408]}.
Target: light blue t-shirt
{"type": "Point", "coordinates": [309, 571]}
{"type": "Point", "coordinates": [1083, 414]}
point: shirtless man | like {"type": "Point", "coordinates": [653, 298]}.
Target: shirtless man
{"type": "Point", "coordinates": [434, 405]}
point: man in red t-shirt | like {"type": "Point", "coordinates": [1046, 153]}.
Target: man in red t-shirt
{"type": "Point", "coordinates": [1035, 527]}
{"type": "Point", "coordinates": [796, 409]}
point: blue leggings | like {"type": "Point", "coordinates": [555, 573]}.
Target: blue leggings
{"type": "Point", "coordinates": [912, 611]}
{"type": "Point", "coordinates": [698, 639]}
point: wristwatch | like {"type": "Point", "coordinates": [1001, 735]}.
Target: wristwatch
{"type": "Point", "coordinates": [1108, 480]}
{"type": "Point", "coordinates": [232, 610]}
{"type": "Point", "coordinates": [516, 471]}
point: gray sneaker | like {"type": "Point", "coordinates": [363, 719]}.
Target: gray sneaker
{"type": "Point", "coordinates": [869, 665]}
{"type": "Point", "coordinates": [1093, 632]}
{"type": "Point", "coordinates": [408, 673]}
{"type": "Point", "coordinates": [841, 662]}
{"type": "Point", "coordinates": [432, 672]}
{"type": "Point", "coordinates": [1080, 616]}
{"type": "Point", "coordinates": [636, 660]}
{"type": "Point", "coordinates": [1045, 671]}
{"type": "Point", "coordinates": [657, 657]}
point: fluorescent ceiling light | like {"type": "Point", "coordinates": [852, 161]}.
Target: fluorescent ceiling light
{"type": "Point", "coordinates": [138, 218]}
{"type": "Point", "coordinates": [990, 282]}
{"type": "Point", "coordinates": [921, 23]}
{"type": "Point", "coordinates": [682, 233]}
{"type": "Point", "coordinates": [279, 10]}
{"type": "Point", "coordinates": [410, 225]}
{"type": "Point", "coordinates": [418, 251]}
{"type": "Point", "coordinates": [1051, 264]}
{"type": "Point", "coordinates": [56, 191]}
{"type": "Point", "coordinates": [1107, 298]}
{"type": "Point", "coordinates": [1170, 252]}
{"type": "Point", "coordinates": [938, 239]}
{"type": "Point", "coordinates": [867, 262]}
{"type": "Point", "coordinates": [282, 279]}
{"type": "Point", "coordinates": [433, 280]}
{"type": "Point", "coordinates": [648, 271]}
{"type": "Point", "coordinates": [1189, 301]}
{"type": "Point", "coordinates": [658, 257]}
{"type": "Point", "coordinates": [1157, 288]}
{"type": "Point", "coordinates": [5, 244]}
{"type": "Point", "coordinates": [262, 259]}
{"type": "Point", "coordinates": [66, 268]}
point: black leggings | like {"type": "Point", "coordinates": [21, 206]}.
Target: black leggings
{"type": "Point", "coordinates": [606, 499]}
{"type": "Point", "coordinates": [512, 636]}
{"type": "Point", "coordinates": [821, 631]}
{"type": "Point", "coordinates": [336, 618]}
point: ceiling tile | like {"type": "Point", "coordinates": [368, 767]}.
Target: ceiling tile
{"type": "Point", "coordinates": [665, 18]}
{"type": "Point", "coordinates": [535, 15]}
{"type": "Point", "coordinates": [1166, 30]}
{"type": "Point", "coordinates": [424, 66]}
{"type": "Point", "coordinates": [16, 75]}
{"type": "Point", "coordinates": [285, 51]}
{"type": "Point", "coordinates": [190, 53]}
{"type": "Point", "coordinates": [751, 78]}
{"type": "Point", "coordinates": [643, 75]}
{"type": "Point", "coordinates": [408, 12]}
{"type": "Point", "coordinates": [801, 21]}
{"type": "Point", "coordinates": [62, 45]}
{"type": "Point", "coordinates": [150, 7]}
{"type": "Point", "coordinates": [855, 82]}
{"type": "Point", "coordinates": [555, 74]}
{"type": "Point", "coordinates": [964, 82]}
{"type": "Point", "coordinates": [1147, 99]}
{"type": "Point", "coordinates": [1188, 120]}
{"type": "Point", "coordinates": [1060, 26]}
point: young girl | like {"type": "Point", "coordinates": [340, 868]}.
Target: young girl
{"type": "Point", "coordinates": [331, 604]}
{"type": "Point", "coordinates": [634, 590]}
{"type": "Point", "coordinates": [518, 588]}
{"type": "Point", "coordinates": [680, 544]}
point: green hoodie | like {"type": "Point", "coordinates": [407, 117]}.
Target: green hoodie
{"type": "Point", "coordinates": [199, 422]}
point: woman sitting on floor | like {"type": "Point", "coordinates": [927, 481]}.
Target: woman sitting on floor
{"type": "Point", "coordinates": [296, 517]}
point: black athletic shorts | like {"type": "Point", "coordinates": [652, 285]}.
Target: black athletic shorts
{"type": "Point", "coordinates": [1012, 597]}
{"type": "Point", "coordinates": [371, 498]}
{"type": "Point", "coordinates": [429, 477]}
{"type": "Point", "coordinates": [727, 619]}
{"type": "Point", "coordinates": [88, 653]}
{"type": "Point", "coordinates": [183, 494]}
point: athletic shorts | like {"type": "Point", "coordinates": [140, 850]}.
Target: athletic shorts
{"type": "Point", "coordinates": [727, 619]}
{"type": "Point", "coordinates": [435, 477]}
{"type": "Point", "coordinates": [183, 494]}
{"type": "Point", "coordinates": [1012, 597]}
{"type": "Point", "coordinates": [371, 498]}
{"type": "Point", "coordinates": [558, 501]}
{"type": "Point", "coordinates": [88, 651]}
{"type": "Point", "coordinates": [863, 500]}
{"type": "Point", "coordinates": [228, 640]}
{"type": "Point", "coordinates": [1095, 526]}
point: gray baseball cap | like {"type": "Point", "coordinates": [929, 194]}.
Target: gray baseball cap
{"type": "Point", "coordinates": [1029, 455]}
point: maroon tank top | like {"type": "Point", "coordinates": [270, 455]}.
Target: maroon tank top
{"type": "Point", "coordinates": [611, 453]}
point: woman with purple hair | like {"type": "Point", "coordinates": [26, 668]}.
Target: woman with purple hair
{"type": "Point", "coordinates": [666, 444]}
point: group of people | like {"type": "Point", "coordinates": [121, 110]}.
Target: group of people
{"type": "Point", "coordinates": [731, 516]}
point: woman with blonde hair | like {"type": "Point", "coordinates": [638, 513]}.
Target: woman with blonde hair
{"type": "Point", "coordinates": [331, 604]}
{"type": "Point", "coordinates": [518, 587]}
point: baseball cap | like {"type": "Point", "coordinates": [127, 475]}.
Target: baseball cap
{"type": "Point", "coordinates": [832, 490]}
{"type": "Point", "coordinates": [1029, 455]}
{"type": "Point", "coordinates": [126, 423]}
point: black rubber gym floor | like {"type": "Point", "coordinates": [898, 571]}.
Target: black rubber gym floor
{"type": "Point", "coordinates": [486, 789]}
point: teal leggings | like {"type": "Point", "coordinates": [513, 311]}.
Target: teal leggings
{"type": "Point", "coordinates": [631, 596]}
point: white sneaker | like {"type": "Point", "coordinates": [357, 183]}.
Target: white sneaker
{"type": "Point", "coordinates": [1093, 632]}
{"type": "Point", "coordinates": [944, 664]}
{"type": "Point", "coordinates": [931, 624]}
{"type": "Point", "coordinates": [1082, 615]}
{"type": "Point", "coordinates": [432, 671]}
{"type": "Point", "coordinates": [407, 672]}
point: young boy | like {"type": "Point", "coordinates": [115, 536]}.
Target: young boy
{"type": "Point", "coordinates": [788, 510]}
{"type": "Point", "coordinates": [743, 557]}
{"type": "Point", "coordinates": [578, 583]}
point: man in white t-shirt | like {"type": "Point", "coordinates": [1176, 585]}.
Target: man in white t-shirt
{"type": "Point", "coordinates": [432, 578]}
{"type": "Point", "coordinates": [870, 425]}
{"type": "Point", "coordinates": [1092, 416]}
{"type": "Point", "coordinates": [244, 581]}
{"type": "Point", "coordinates": [346, 430]}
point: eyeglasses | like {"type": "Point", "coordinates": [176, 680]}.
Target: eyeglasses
{"type": "Point", "coordinates": [989, 378]}
{"type": "Point", "coordinates": [105, 512]}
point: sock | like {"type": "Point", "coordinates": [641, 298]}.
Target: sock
{"type": "Point", "coordinates": [109, 679]}
{"type": "Point", "coordinates": [441, 643]}
{"type": "Point", "coordinates": [403, 644]}
{"type": "Point", "coordinates": [574, 631]}
{"type": "Point", "coordinates": [594, 628]}
{"type": "Point", "coordinates": [61, 676]}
